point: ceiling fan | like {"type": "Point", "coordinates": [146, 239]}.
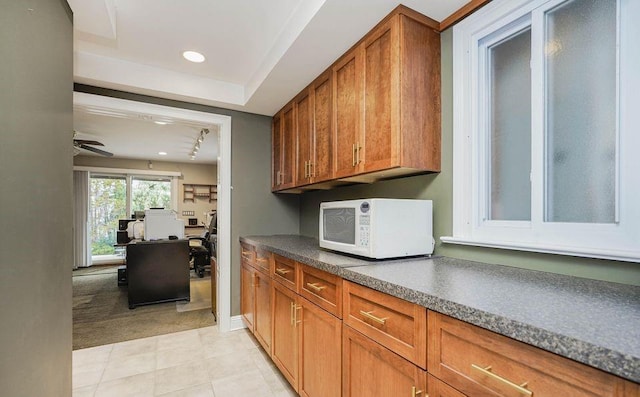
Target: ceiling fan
{"type": "Point", "coordinates": [88, 145]}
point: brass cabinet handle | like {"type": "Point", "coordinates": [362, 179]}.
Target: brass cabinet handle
{"type": "Point", "coordinates": [262, 259]}
{"type": "Point", "coordinates": [316, 287]}
{"type": "Point", "coordinates": [282, 271]}
{"type": "Point", "coordinates": [415, 392]}
{"type": "Point", "coordinates": [358, 148]}
{"type": "Point", "coordinates": [253, 280]}
{"type": "Point", "coordinates": [353, 156]}
{"type": "Point", "coordinates": [295, 314]}
{"type": "Point", "coordinates": [278, 178]}
{"type": "Point", "coordinates": [370, 316]}
{"type": "Point", "coordinates": [487, 371]}
{"type": "Point", "coordinates": [311, 173]}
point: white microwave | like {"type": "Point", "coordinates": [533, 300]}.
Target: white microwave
{"type": "Point", "coordinates": [377, 228]}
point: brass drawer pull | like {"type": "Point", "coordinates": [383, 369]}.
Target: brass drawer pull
{"type": "Point", "coordinates": [487, 371]}
{"type": "Point", "coordinates": [282, 271]}
{"type": "Point", "coordinates": [370, 316]}
{"type": "Point", "coordinates": [262, 260]}
{"type": "Point", "coordinates": [415, 392]}
{"type": "Point", "coordinates": [316, 287]}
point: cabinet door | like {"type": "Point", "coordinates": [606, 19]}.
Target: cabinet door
{"type": "Point", "coordinates": [304, 135]}
{"type": "Point", "coordinates": [381, 98]}
{"type": "Point", "coordinates": [284, 346]}
{"type": "Point", "coordinates": [276, 151]}
{"type": "Point", "coordinates": [347, 112]}
{"type": "Point", "coordinates": [321, 352]}
{"type": "Point", "coordinates": [287, 177]}
{"type": "Point", "coordinates": [262, 316]}
{"type": "Point", "coordinates": [247, 298]}
{"type": "Point", "coordinates": [372, 370]}
{"type": "Point", "coordinates": [322, 103]}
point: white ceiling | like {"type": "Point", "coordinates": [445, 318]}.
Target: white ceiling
{"type": "Point", "coordinates": [259, 53]}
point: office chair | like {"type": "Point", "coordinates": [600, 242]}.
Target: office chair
{"type": "Point", "coordinates": [201, 254]}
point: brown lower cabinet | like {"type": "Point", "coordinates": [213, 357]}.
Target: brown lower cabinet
{"type": "Point", "coordinates": [322, 356]}
{"type": "Point", "coordinates": [372, 370]}
{"type": "Point", "coordinates": [320, 351]}
{"type": "Point", "coordinates": [284, 349]}
{"type": "Point", "coordinates": [306, 344]}
{"type": "Point", "coordinates": [247, 298]}
{"type": "Point", "coordinates": [256, 303]}
{"type": "Point", "coordinates": [262, 316]}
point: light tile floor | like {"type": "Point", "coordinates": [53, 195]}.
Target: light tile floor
{"type": "Point", "coordinates": [201, 362]}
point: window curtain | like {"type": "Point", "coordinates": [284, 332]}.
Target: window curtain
{"type": "Point", "coordinates": [81, 246]}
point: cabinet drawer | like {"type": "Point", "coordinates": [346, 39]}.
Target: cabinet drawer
{"type": "Point", "coordinates": [438, 388]}
{"type": "Point", "coordinates": [262, 260]}
{"type": "Point", "coordinates": [482, 363]}
{"type": "Point", "coordinates": [321, 288]}
{"type": "Point", "coordinates": [399, 325]}
{"type": "Point", "coordinates": [284, 271]}
{"type": "Point", "coordinates": [247, 254]}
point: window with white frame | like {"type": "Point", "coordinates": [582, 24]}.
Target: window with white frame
{"type": "Point", "coordinates": [546, 127]}
{"type": "Point", "coordinates": [114, 196]}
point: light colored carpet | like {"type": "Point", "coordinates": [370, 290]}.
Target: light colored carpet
{"type": "Point", "coordinates": [101, 312]}
{"type": "Point", "coordinates": [200, 295]}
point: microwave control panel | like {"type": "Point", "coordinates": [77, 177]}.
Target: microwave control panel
{"type": "Point", "coordinates": [363, 225]}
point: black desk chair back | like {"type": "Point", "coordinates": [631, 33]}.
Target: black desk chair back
{"type": "Point", "coordinates": [201, 254]}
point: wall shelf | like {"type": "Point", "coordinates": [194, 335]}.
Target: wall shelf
{"type": "Point", "coordinates": [191, 191]}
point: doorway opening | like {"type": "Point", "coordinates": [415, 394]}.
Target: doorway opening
{"type": "Point", "coordinates": [101, 241]}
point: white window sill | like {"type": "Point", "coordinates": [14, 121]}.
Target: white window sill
{"type": "Point", "coordinates": [627, 256]}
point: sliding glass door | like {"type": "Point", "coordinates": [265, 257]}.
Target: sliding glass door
{"type": "Point", "coordinates": [113, 197]}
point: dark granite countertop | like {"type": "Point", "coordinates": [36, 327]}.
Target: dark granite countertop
{"type": "Point", "coordinates": [593, 322]}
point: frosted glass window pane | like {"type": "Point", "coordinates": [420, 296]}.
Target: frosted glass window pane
{"type": "Point", "coordinates": [581, 111]}
{"type": "Point", "coordinates": [510, 100]}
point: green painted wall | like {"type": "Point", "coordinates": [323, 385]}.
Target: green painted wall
{"type": "Point", "coordinates": [254, 209]}
{"type": "Point", "coordinates": [439, 188]}
{"type": "Point", "coordinates": [36, 128]}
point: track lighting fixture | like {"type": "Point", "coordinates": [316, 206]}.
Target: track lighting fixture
{"type": "Point", "coordinates": [199, 140]}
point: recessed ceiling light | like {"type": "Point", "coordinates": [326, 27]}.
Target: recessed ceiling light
{"type": "Point", "coordinates": [162, 153]}
{"type": "Point", "coordinates": [161, 122]}
{"type": "Point", "coordinates": [193, 56]}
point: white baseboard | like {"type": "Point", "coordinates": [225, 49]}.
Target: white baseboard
{"type": "Point", "coordinates": [236, 323]}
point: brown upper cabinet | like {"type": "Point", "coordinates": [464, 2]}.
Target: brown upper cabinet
{"type": "Point", "coordinates": [375, 113]}
{"type": "Point", "coordinates": [314, 149]}
{"type": "Point", "coordinates": [283, 145]}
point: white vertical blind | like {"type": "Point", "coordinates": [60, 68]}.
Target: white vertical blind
{"type": "Point", "coordinates": [81, 248]}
